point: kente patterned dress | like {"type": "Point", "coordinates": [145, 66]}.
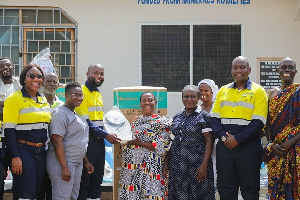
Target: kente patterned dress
{"type": "Point", "coordinates": [284, 172]}
{"type": "Point", "coordinates": [141, 174]}
{"type": "Point", "coordinates": [187, 153]}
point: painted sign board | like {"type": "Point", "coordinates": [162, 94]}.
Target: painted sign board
{"type": "Point", "coordinates": [268, 72]}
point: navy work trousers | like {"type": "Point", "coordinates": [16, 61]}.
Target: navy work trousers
{"type": "Point", "coordinates": [239, 168]}
{"type": "Point", "coordinates": [90, 186]}
{"type": "Point", "coordinates": [34, 167]}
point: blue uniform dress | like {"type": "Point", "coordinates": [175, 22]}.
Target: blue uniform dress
{"type": "Point", "coordinates": [187, 153]}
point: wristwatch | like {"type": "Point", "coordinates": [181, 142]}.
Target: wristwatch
{"type": "Point", "coordinates": [223, 138]}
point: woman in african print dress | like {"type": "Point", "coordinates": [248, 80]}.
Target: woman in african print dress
{"type": "Point", "coordinates": [190, 166]}
{"type": "Point", "coordinates": [143, 158]}
{"type": "Point", "coordinates": [283, 132]}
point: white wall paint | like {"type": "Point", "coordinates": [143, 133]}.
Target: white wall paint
{"type": "Point", "coordinates": [108, 33]}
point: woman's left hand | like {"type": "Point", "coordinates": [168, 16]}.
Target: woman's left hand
{"type": "Point", "coordinates": [201, 172]}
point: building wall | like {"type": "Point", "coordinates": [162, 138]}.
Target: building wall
{"type": "Point", "coordinates": [109, 33]}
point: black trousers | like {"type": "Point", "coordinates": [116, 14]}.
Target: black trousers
{"type": "Point", "coordinates": [239, 168]}
{"type": "Point", "coordinates": [46, 189]}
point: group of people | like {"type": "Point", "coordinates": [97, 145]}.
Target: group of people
{"type": "Point", "coordinates": [169, 158]}
{"type": "Point", "coordinates": [174, 159]}
{"type": "Point", "coordinates": [52, 148]}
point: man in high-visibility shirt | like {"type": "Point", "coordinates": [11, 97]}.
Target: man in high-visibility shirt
{"type": "Point", "coordinates": [91, 109]}
{"type": "Point", "coordinates": [8, 85]}
{"type": "Point", "coordinates": [238, 116]}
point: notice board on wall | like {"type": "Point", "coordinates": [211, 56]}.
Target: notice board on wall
{"type": "Point", "coordinates": [268, 72]}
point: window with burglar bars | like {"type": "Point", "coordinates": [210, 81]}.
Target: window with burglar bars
{"type": "Point", "coordinates": [177, 55]}
{"type": "Point", "coordinates": [26, 31]}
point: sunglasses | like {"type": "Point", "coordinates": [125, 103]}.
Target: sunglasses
{"type": "Point", "coordinates": [33, 76]}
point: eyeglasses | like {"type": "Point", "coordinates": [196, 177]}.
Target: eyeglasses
{"type": "Point", "coordinates": [148, 101]}
{"type": "Point", "coordinates": [33, 76]}
{"type": "Point", "coordinates": [77, 96]}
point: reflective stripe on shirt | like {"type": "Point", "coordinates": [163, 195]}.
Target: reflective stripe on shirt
{"type": "Point", "coordinates": [33, 109]}
{"type": "Point", "coordinates": [95, 108]}
{"type": "Point", "coordinates": [235, 121]}
{"type": "Point", "coordinates": [216, 115]}
{"type": "Point", "coordinates": [261, 118]}
{"type": "Point", "coordinates": [239, 103]}
{"type": "Point", "coordinates": [31, 126]}
{"type": "Point", "coordinates": [98, 122]}
{"type": "Point", "coordinates": [9, 125]}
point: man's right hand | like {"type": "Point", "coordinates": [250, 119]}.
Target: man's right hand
{"type": "Point", "coordinates": [112, 138]}
{"type": "Point", "coordinates": [16, 165]}
{"type": "Point", "coordinates": [230, 141]}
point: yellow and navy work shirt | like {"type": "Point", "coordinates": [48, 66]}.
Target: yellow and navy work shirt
{"type": "Point", "coordinates": [92, 110]}
{"type": "Point", "coordinates": [242, 113]}
{"type": "Point", "coordinates": [25, 119]}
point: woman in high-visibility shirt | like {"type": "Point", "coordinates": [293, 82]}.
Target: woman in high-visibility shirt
{"type": "Point", "coordinates": [26, 117]}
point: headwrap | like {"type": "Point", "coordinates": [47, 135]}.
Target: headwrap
{"type": "Point", "coordinates": [214, 88]}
